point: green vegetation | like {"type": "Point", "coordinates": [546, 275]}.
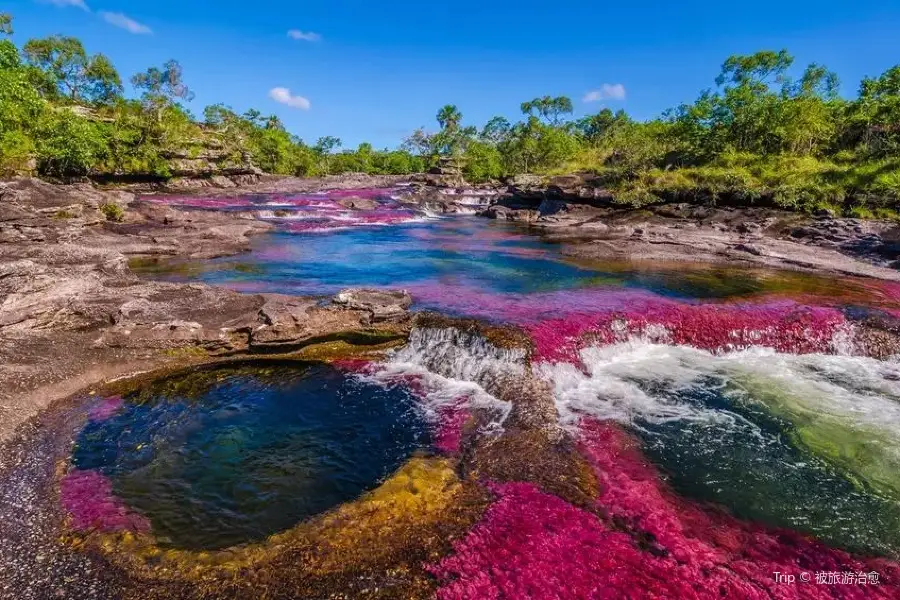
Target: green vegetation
{"type": "Point", "coordinates": [112, 212]}
{"type": "Point", "coordinates": [63, 115]}
{"type": "Point", "coordinates": [758, 136]}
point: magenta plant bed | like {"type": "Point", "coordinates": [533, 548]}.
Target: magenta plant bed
{"type": "Point", "coordinates": [88, 498]}
{"type": "Point", "coordinates": [306, 213]}
{"type": "Point", "coordinates": [105, 408]}
{"type": "Point", "coordinates": [534, 545]}
{"type": "Point", "coordinates": [784, 326]}
{"type": "Point", "coordinates": [452, 420]}
{"type": "Point", "coordinates": [728, 557]}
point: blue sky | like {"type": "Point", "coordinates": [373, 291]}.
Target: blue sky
{"type": "Point", "coordinates": [377, 70]}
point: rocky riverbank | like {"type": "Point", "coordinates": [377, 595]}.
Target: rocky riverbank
{"type": "Point", "coordinates": [577, 211]}
{"type": "Point", "coordinates": [72, 314]}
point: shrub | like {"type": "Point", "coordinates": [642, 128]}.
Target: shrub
{"type": "Point", "coordinates": [16, 152]}
{"type": "Point", "coordinates": [482, 162]}
{"type": "Point", "coordinates": [69, 145]}
{"type": "Point", "coordinates": [113, 212]}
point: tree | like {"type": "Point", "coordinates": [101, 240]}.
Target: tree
{"type": "Point", "coordinates": [327, 144]}
{"type": "Point", "coordinates": [21, 109]}
{"type": "Point", "coordinates": [162, 87]}
{"type": "Point", "coordinates": [495, 131]}
{"type": "Point", "coordinates": [273, 151]}
{"type": "Point", "coordinates": [418, 143]}
{"type": "Point", "coordinates": [69, 145]}
{"type": "Point", "coordinates": [6, 27]}
{"type": "Point", "coordinates": [9, 56]}
{"type": "Point", "coordinates": [323, 149]}
{"type": "Point", "coordinates": [548, 108]}
{"type": "Point", "coordinates": [255, 117]}
{"type": "Point", "coordinates": [219, 115]}
{"type": "Point", "coordinates": [594, 127]}
{"type": "Point", "coordinates": [449, 117]}
{"type": "Point", "coordinates": [103, 84]}
{"type": "Point", "coordinates": [817, 82]}
{"type": "Point", "coordinates": [483, 162]}
{"type": "Point", "coordinates": [755, 69]}
{"type": "Point", "coordinates": [451, 140]}
{"type": "Point", "coordinates": [873, 120]}
{"type": "Point", "coordinates": [77, 76]}
{"type": "Point", "coordinates": [273, 122]}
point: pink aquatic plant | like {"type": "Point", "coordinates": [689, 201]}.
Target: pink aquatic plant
{"type": "Point", "coordinates": [641, 541]}
{"type": "Point", "coordinates": [354, 365]}
{"type": "Point", "coordinates": [784, 326]}
{"type": "Point", "coordinates": [524, 309]}
{"type": "Point", "coordinates": [88, 498]}
{"type": "Point", "coordinates": [707, 543]}
{"type": "Point", "coordinates": [449, 430]}
{"type": "Point", "coordinates": [105, 408]}
{"type": "Point", "coordinates": [305, 213]}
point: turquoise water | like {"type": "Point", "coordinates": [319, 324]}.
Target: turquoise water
{"type": "Point", "coordinates": [470, 266]}
{"type": "Point", "coordinates": [741, 456]}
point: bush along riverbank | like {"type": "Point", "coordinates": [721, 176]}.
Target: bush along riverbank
{"type": "Point", "coordinates": [767, 133]}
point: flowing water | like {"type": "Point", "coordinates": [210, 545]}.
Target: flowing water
{"type": "Point", "coordinates": [748, 390]}
{"type": "Point", "coordinates": [471, 266]}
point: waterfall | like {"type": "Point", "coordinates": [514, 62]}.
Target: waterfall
{"type": "Point", "coordinates": [452, 367]}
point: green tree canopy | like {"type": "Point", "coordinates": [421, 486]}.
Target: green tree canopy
{"type": "Point", "coordinates": [449, 117]}
{"type": "Point", "coordinates": [548, 108]}
{"type": "Point", "coordinates": [452, 139]}
{"type": "Point", "coordinates": [77, 76]}
{"type": "Point", "coordinates": [496, 130]}
{"type": "Point", "coordinates": [167, 82]}
{"type": "Point", "coordinates": [327, 144]}
{"type": "Point", "coordinates": [6, 27]}
{"type": "Point", "coordinates": [755, 70]}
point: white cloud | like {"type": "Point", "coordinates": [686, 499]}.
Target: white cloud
{"type": "Point", "coordinates": [284, 96]}
{"type": "Point", "coordinates": [306, 36]}
{"type": "Point", "coordinates": [124, 22]}
{"type": "Point", "coordinates": [607, 91]}
{"type": "Point", "coordinates": [76, 3]}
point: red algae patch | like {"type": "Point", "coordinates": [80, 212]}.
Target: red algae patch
{"type": "Point", "coordinates": [727, 557]}
{"type": "Point", "coordinates": [648, 544]}
{"type": "Point", "coordinates": [106, 408]}
{"type": "Point", "coordinates": [534, 545]}
{"type": "Point", "coordinates": [784, 326]}
{"type": "Point", "coordinates": [88, 498]}
{"type": "Point", "coordinates": [449, 432]}
{"type": "Point", "coordinates": [307, 213]}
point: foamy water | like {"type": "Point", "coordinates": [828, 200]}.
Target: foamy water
{"type": "Point", "coordinates": [453, 369]}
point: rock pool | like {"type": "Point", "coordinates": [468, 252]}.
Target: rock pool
{"type": "Point", "coordinates": [218, 457]}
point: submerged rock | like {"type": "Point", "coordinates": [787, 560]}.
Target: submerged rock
{"type": "Point", "coordinates": [287, 323]}
{"type": "Point", "coordinates": [382, 305]}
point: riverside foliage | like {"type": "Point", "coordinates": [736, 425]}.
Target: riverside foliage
{"type": "Point", "coordinates": [766, 132]}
